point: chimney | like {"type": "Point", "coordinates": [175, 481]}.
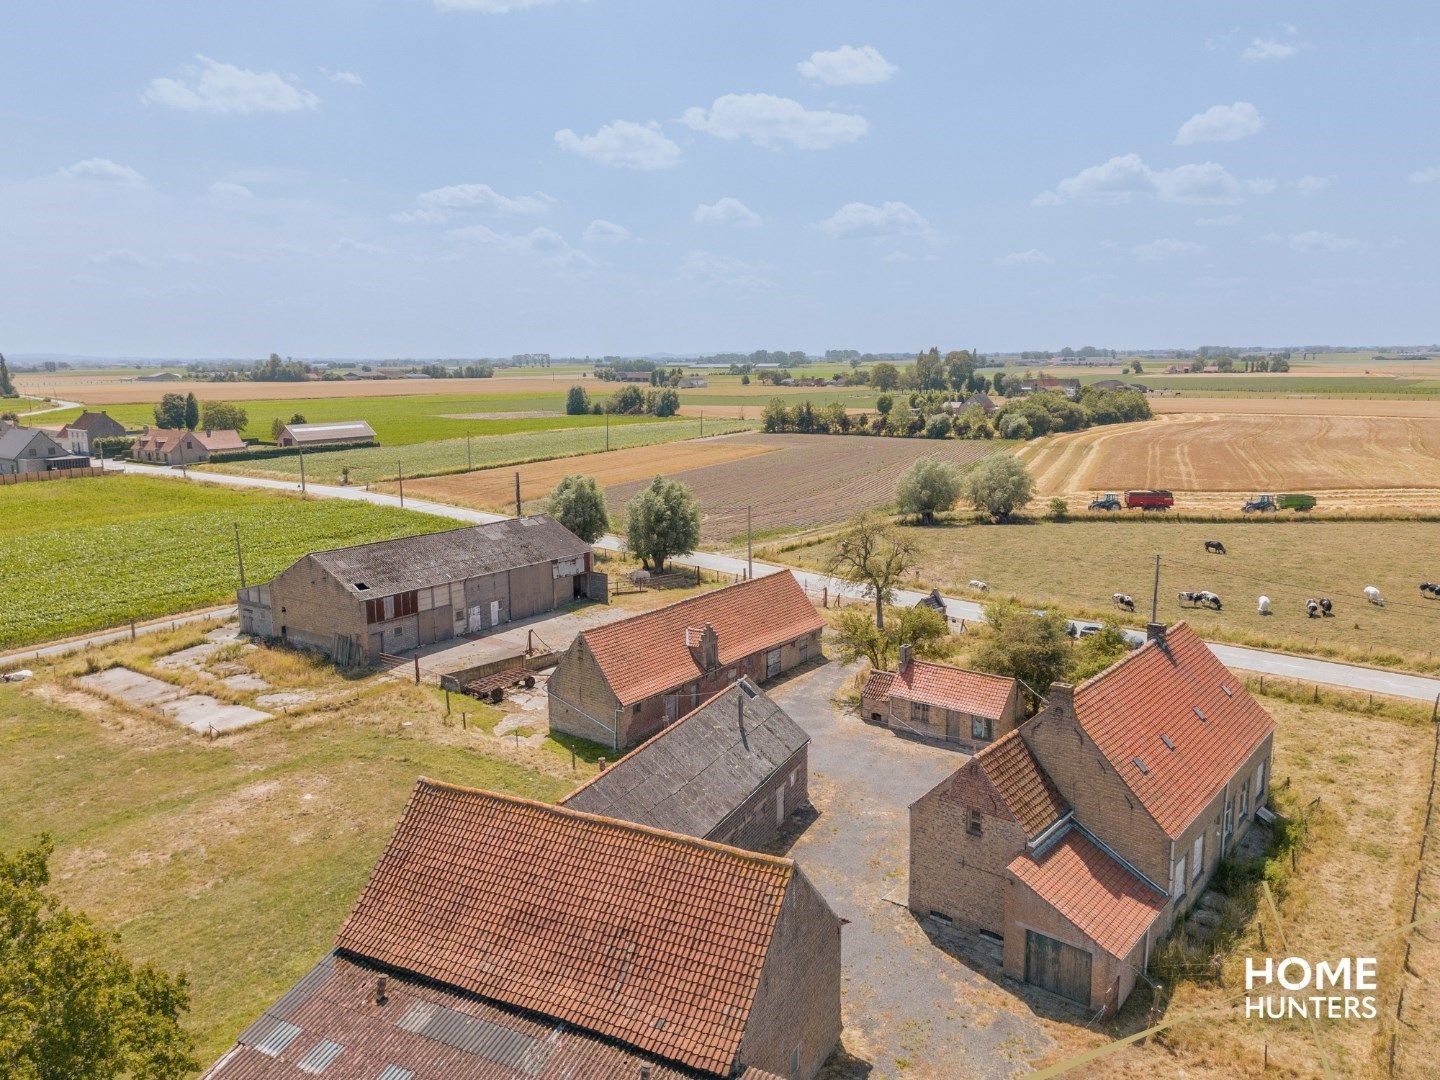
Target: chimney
{"type": "Point", "coordinates": [380, 989]}
{"type": "Point", "coordinates": [1155, 631]}
{"type": "Point", "coordinates": [644, 1072]}
{"type": "Point", "coordinates": [907, 657]}
{"type": "Point", "coordinates": [1061, 697]}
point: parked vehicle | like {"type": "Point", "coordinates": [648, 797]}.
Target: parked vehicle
{"type": "Point", "coordinates": [1108, 501]}
{"type": "Point", "coordinates": [1265, 504]}
{"type": "Point", "coordinates": [1152, 499]}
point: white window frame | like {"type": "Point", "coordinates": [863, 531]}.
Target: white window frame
{"type": "Point", "coordinates": [1179, 882]}
{"type": "Point", "coordinates": [1197, 856]}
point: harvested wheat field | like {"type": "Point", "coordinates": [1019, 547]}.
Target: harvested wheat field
{"type": "Point", "coordinates": [494, 489]}
{"type": "Point", "coordinates": [1352, 462]}
{"type": "Point", "coordinates": [1296, 405]}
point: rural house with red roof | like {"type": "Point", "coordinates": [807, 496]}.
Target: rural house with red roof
{"type": "Point", "coordinates": [620, 683]}
{"type": "Point", "coordinates": [504, 939]}
{"type": "Point", "coordinates": [1080, 838]}
{"type": "Point", "coordinates": [937, 701]}
{"type": "Point", "coordinates": [176, 446]}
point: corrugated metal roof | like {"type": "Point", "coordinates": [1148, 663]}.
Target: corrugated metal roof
{"type": "Point", "coordinates": [344, 429]}
{"type": "Point", "coordinates": [417, 562]}
{"type": "Point", "coordinates": [700, 769]}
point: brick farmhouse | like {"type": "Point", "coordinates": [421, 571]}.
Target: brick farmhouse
{"type": "Point", "coordinates": [732, 771]}
{"type": "Point", "coordinates": [30, 450]}
{"type": "Point", "coordinates": [176, 446]}
{"type": "Point", "coordinates": [395, 595]}
{"type": "Point", "coordinates": [504, 939]}
{"type": "Point", "coordinates": [937, 701]}
{"type": "Point", "coordinates": [620, 683]}
{"type": "Point", "coordinates": [1080, 837]}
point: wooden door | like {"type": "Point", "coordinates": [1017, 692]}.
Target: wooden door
{"type": "Point", "coordinates": [1055, 966]}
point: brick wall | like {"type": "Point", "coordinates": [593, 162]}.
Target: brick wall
{"type": "Point", "coordinates": [953, 872]}
{"type": "Point", "coordinates": [580, 701]}
{"type": "Point", "coordinates": [795, 1019]}
{"type": "Point", "coordinates": [317, 609]}
{"type": "Point", "coordinates": [897, 712]}
{"type": "Point", "coordinates": [752, 824]}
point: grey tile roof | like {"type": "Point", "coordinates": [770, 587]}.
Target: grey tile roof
{"type": "Point", "coordinates": [696, 772]}
{"type": "Point", "coordinates": [418, 562]}
{"type": "Point", "coordinates": [14, 441]}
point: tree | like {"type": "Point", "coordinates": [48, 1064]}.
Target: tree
{"type": "Point", "coordinates": [884, 376]}
{"type": "Point", "coordinates": [170, 413]}
{"type": "Point", "coordinates": [1058, 509]}
{"type": "Point", "coordinates": [223, 416]}
{"type": "Point", "coordinates": [577, 401]}
{"type": "Point", "coordinates": [959, 370]}
{"type": "Point", "coordinates": [71, 1001]}
{"type": "Point", "coordinates": [922, 628]}
{"type": "Point", "coordinates": [192, 411]}
{"type": "Point", "coordinates": [277, 425]}
{"type": "Point", "coordinates": [1024, 645]}
{"type": "Point", "coordinates": [871, 553]}
{"type": "Point", "coordinates": [938, 427]}
{"type": "Point", "coordinates": [7, 388]}
{"type": "Point", "coordinates": [1095, 653]}
{"type": "Point", "coordinates": [927, 488]}
{"type": "Point", "coordinates": [663, 520]}
{"type": "Point", "coordinates": [928, 371]}
{"type": "Point", "coordinates": [662, 402]}
{"type": "Point", "coordinates": [578, 504]}
{"type": "Point", "coordinates": [628, 400]}
{"type": "Point", "coordinates": [998, 486]}
{"type": "Point", "coordinates": [775, 416]}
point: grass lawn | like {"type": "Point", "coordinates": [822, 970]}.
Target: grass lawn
{"type": "Point", "coordinates": [85, 554]}
{"type": "Point", "coordinates": [1078, 565]}
{"type": "Point", "coordinates": [233, 862]}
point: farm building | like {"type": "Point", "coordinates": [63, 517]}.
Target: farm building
{"type": "Point", "coordinates": [1081, 837]}
{"type": "Point", "coordinates": [494, 937]}
{"type": "Point", "coordinates": [620, 683]}
{"type": "Point", "coordinates": [176, 446]}
{"type": "Point", "coordinates": [981, 401]}
{"type": "Point", "coordinates": [74, 440]}
{"type": "Point", "coordinates": [937, 701]}
{"type": "Point", "coordinates": [1117, 384]}
{"type": "Point", "coordinates": [1069, 387]}
{"type": "Point", "coordinates": [394, 595]}
{"type": "Point", "coordinates": [340, 433]}
{"type": "Point", "coordinates": [732, 771]}
{"type": "Point", "coordinates": [30, 450]}
{"type": "Point", "coordinates": [98, 425]}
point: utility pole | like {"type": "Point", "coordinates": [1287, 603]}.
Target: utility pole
{"type": "Point", "coordinates": [517, 494]}
{"type": "Point", "coordinates": [302, 470]}
{"type": "Point", "coordinates": [1155, 594]}
{"type": "Point", "coordinates": [702, 423]}
{"type": "Point", "coordinates": [469, 461]}
{"type": "Point", "coordinates": [239, 558]}
{"type": "Point", "coordinates": [400, 474]}
{"type": "Point", "coordinates": [749, 547]}
{"type": "Point", "coordinates": [607, 431]}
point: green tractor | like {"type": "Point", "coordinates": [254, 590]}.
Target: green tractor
{"type": "Point", "coordinates": [1266, 503]}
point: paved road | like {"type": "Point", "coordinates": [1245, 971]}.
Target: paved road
{"type": "Point", "coordinates": [1324, 672]}
{"type": "Point", "coordinates": [62, 648]}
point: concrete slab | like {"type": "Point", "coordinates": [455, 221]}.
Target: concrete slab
{"type": "Point", "coordinates": [202, 713]}
{"type": "Point", "coordinates": [131, 687]}
{"type": "Point", "coordinates": [286, 699]}
{"type": "Point", "coordinates": [244, 681]}
{"type": "Point", "coordinates": [193, 658]}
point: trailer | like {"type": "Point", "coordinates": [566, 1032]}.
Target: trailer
{"type": "Point", "coordinates": [1149, 499]}
{"type": "Point", "coordinates": [1268, 504]}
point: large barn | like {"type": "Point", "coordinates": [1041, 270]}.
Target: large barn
{"type": "Point", "coordinates": [395, 595]}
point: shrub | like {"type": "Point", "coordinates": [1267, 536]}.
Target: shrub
{"type": "Point", "coordinates": [1058, 509]}
{"type": "Point", "coordinates": [577, 401]}
{"type": "Point", "coordinates": [1015, 426]}
{"type": "Point", "coordinates": [938, 427]}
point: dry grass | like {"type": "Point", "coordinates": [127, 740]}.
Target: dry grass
{"type": "Point", "coordinates": [1295, 406]}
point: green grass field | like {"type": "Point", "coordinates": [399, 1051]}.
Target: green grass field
{"type": "Point", "coordinates": [1077, 566]}
{"type": "Point", "coordinates": [85, 554]}
{"type": "Point", "coordinates": [459, 455]}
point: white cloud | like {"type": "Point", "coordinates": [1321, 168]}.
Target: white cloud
{"type": "Point", "coordinates": [889, 221]}
{"type": "Point", "coordinates": [490, 7]}
{"type": "Point", "coordinates": [214, 87]}
{"type": "Point", "coordinates": [1033, 257]}
{"type": "Point", "coordinates": [1315, 240]}
{"type": "Point", "coordinates": [224, 189]}
{"type": "Point", "coordinates": [545, 244]}
{"type": "Point", "coordinates": [601, 231]}
{"type": "Point", "coordinates": [1425, 176]}
{"type": "Point", "coordinates": [363, 247]}
{"type": "Point", "coordinates": [1217, 222]}
{"type": "Point", "coordinates": [711, 269]}
{"type": "Point", "coordinates": [847, 66]}
{"type": "Point", "coordinates": [1221, 123]}
{"type": "Point", "coordinates": [1262, 186]}
{"type": "Point", "coordinates": [727, 211]}
{"type": "Point", "coordinates": [1308, 185]}
{"type": "Point", "coordinates": [767, 120]}
{"type": "Point", "coordinates": [1270, 49]}
{"type": "Point", "coordinates": [1122, 178]}
{"type": "Point", "coordinates": [482, 197]}
{"type": "Point", "coordinates": [99, 168]}
{"type": "Point", "coordinates": [1165, 248]}
{"type": "Point", "coordinates": [624, 144]}
{"type": "Point", "coordinates": [349, 78]}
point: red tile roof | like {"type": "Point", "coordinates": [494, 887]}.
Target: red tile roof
{"type": "Point", "coordinates": [945, 687]}
{"type": "Point", "coordinates": [161, 439]}
{"type": "Point", "coordinates": [1023, 786]}
{"type": "Point", "coordinates": [646, 654]}
{"type": "Point", "coordinates": [1156, 692]}
{"type": "Point", "coordinates": [1097, 895]}
{"type": "Point", "coordinates": [647, 937]}
{"type": "Point", "coordinates": [224, 439]}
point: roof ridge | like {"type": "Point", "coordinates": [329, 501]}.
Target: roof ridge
{"type": "Point", "coordinates": [619, 824]}
{"type": "Point", "coordinates": [653, 612]}
{"type": "Point", "coordinates": [428, 535]}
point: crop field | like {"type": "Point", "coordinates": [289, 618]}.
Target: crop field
{"type": "Point", "coordinates": [1331, 405]}
{"type": "Point", "coordinates": [1077, 566]}
{"type": "Point", "coordinates": [806, 482]}
{"type": "Point", "coordinates": [1345, 460]}
{"type": "Point", "coordinates": [85, 554]}
{"type": "Point", "coordinates": [494, 489]}
{"type": "Point", "coordinates": [382, 463]}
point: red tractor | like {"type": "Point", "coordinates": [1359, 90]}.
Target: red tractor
{"type": "Point", "coordinates": [1154, 499]}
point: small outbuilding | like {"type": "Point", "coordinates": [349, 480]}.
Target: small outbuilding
{"type": "Point", "coordinates": [937, 701]}
{"type": "Point", "coordinates": [339, 433]}
{"type": "Point", "coordinates": [732, 771]}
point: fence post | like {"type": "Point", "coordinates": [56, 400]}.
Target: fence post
{"type": "Point", "coordinates": [417, 671]}
{"type": "Point", "coordinates": [132, 629]}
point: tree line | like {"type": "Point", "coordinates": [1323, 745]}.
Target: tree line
{"type": "Point", "coordinates": [627, 401]}
{"type": "Point", "coordinates": [177, 411]}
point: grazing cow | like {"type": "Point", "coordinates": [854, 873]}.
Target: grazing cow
{"type": "Point", "coordinates": [1187, 598]}
{"type": "Point", "coordinates": [1373, 595]}
{"type": "Point", "coordinates": [1215, 547]}
{"type": "Point", "coordinates": [980, 585]}
{"type": "Point", "coordinates": [1209, 599]}
{"type": "Point", "coordinates": [1326, 607]}
{"type": "Point", "coordinates": [1312, 608]}
{"type": "Point", "coordinates": [1264, 605]}
{"type": "Point", "coordinates": [1430, 587]}
{"type": "Point", "coordinates": [1123, 601]}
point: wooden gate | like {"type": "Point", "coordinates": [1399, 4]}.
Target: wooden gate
{"type": "Point", "coordinates": [1055, 966]}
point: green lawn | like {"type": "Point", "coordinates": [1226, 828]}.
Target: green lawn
{"type": "Point", "coordinates": [85, 554]}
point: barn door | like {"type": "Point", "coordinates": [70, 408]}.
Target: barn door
{"type": "Point", "coordinates": [1055, 966]}
{"type": "Point", "coordinates": [494, 612]}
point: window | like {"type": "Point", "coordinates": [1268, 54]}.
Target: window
{"type": "Point", "coordinates": [1260, 784]}
{"type": "Point", "coordinates": [1244, 803]}
{"type": "Point", "coordinates": [1197, 857]}
{"type": "Point", "coordinates": [981, 728]}
{"type": "Point", "coordinates": [804, 649]}
{"type": "Point", "coordinates": [919, 712]}
{"type": "Point", "coordinates": [974, 826]}
{"type": "Point", "coordinates": [1178, 879]}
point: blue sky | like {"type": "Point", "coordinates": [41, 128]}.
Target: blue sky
{"type": "Point", "coordinates": [482, 177]}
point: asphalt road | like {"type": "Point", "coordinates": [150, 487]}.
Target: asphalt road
{"type": "Point", "coordinates": [1259, 661]}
